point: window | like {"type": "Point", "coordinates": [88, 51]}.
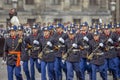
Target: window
{"type": "Point", "coordinates": [8, 1]}
{"type": "Point", "coordinates": [96, 21]}
{"type": "Point", "coordinates": [74, 2]}
{"type": "Point", "coordinates": [93, 2]}
{"type": "Point", "coordinates": [31, 21]}
{"type": "Point", "coordinates": [58, 20]}
{"type": "Point", "coordinates": [77, 21]}
{"type": "Point", "coordinates": [29, 2]}
{"type": "Point", "coordinates": [56, 2]}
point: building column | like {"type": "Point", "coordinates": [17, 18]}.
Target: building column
{"type": "Point", "coordinates": [20, 5]}
{"type": "Point", "coordinates": [118, 11]}
{"type": "Point", "coordinates": [66, 4]}
{"type": "Point", "coordinates": [107, 4]}
{"type": "Point", "coordinates": [99, 3]}
{"type": "Point", "coordinates": [15, 4]}
{"type": "Point", "coordinates": [80, 4]}
{"type": "Point", "coordinates": [85, 4]}
{"type": "Point", "coordinates": [37, 3]}
{"type": "Point", "coordinates": [62, 4]}
{"type": "Point", "coordinates": [1, 4]}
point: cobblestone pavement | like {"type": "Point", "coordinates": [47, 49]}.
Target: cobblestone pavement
{"type": "Point", "coordinates": [3, 74]}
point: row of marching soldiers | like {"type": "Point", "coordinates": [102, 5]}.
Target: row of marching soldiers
{"type": "Point", "coordinates": [69, 49]}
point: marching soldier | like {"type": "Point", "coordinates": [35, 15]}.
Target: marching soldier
{"type": "Point", "coordinates": [13, 46]}
{"type": "Point", "coordinates": [24, 55]}
{"type": "Point", "coordinates": [97, 58]}
{"type": "Point", "coordinates": [47, 56]}
{"type": "Point", "coordinates": [110, 53]}
{"type": "Point", "coordinates": [118, 45]}
{"type": "Point", "coordinates": [72, 56]}
{"type": "Point", "coordinates": [34, 41]}
{"type": "Point", "coordinates": [84, 37]}
{"type": "Point", "coordinates": [60, 38]}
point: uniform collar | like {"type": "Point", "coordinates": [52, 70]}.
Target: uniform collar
{"type": "Point", "coordinates": [84, 33]}
{"type": "Point", "coordinates": [59, 33]}
{"type": "Point", "coordinates": [13, 37]}
{"type": "Point", "coordinates": [46, 37]}
{"type": "Point", "coordinates": [35, 34]}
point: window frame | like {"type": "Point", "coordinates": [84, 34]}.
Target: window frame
{"type": "Point", "coordinates": [29, 2]}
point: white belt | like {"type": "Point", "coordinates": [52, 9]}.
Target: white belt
{"type": "Point", "coordinates": [48, 51]}
{"type": "Point", "coordinates": [75, 50]}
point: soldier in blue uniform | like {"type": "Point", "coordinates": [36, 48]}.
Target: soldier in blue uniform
{"type": "Point", "coordinates": [13, 48]}
{"type": "Point", "coordinates": [60, 38]}
{"type": "Point", "coordinates": [47, 56]}
{"type": "Point", "coordinates": [24, 55]}
{"type": "Point", "coordinates": [110, 51]}
{"type": "Point", "coordinates": [84, 37]}
{"type": "Point", "coordinates": [118, 45]}
{"type": "Point", "coordinates": [97, 58]}
{"type": "Point", "coordinates": [72, 56]}
{"type": "Point", "coordinates": [34, 41]}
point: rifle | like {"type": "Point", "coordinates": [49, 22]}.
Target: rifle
{"type": "Point", "coordinates": [41, 53]}
{"type": "Point", "coordinates": [65, 55]}
{"type": "Point", "coordinates": [93, 52]}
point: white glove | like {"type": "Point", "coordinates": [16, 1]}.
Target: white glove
{"type": "Point", "coordinates": [39, 61]}
{"type": "Point", "coordinates": [61, 40]}
{"type": "Point", "coordinates": [49, 43]}
{"type": "Point", "coordinates": [63, 61]}
{"type": "Point", "coordinates": [21, 62]}
{"type": "Point", "coordinates": [36, 42]}
{"type": "Point", "coordinates": [110, 40]}
{"type": "Point", "coordinates": [101, 44]}
{"type": "Point", "coordinates": [74, 45]}
{"type": "Point", "coordinates": [119, 39]}
{"type": "Point", "coordinates": [85, 38]}
{"type": "Point", "coordinates": [3, 62]}
{"type": "Point", "coordinates": [88, 63]}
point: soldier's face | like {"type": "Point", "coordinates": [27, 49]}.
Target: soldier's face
{"type": "Point", "coordinates": [84, 29]}
{"type": "Point", "coordinates": [71, 36]}
{"type": "Point", "coordinates": [12, 33]}
{"type": "Point", "coordinates": [96, 37]}
{"type": "Point", "coordinates": [59, 30]}
{"type": "Point", "coordinates": [113, 29]}
{"type": "Point", "coordinates": [20, 32]}
{"type": "Point", "coordinates": [46, 33]}
{"type": "Point", "coordinates": [34, 30]}
{"type": "Point", "coordinates": [118, 29]}
{"type": "Point", "coordinates": [107, 31]}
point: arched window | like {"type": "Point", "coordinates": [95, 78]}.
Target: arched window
{"type": "Point", "coordinates": [58, 20]}
{"type": "Point", "coordinates": [29, 2]}
{"type": "Point", "coordinates": [8, 1]}
{"type": "Point", "coordinates": [56, 2]}
{"type": "Point", "coordinates": [74, 2]}
{"type": "Point", "coordinates": [77, 21]}
{"type": "Point", "coordinates": [93, 2]}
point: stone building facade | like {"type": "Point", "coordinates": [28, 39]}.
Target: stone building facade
{"type": "Point", "coordinates": [76, 11]}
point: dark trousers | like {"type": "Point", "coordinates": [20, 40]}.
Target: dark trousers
{"type": "Point", "coordinates": [32, 69]}
{"type": "Point", "coordinates": [101, 68]}
{"type": "Point", "coordinates": [50, 67]}
{"type": "Point", "coordinates": [71, 67]}
{"type": "Point", "coordinates": [59, 66]}
{"type": "Point", "coordinates": [10, 70]}
{"type": "Point", "coordinates": [26, 69]}
{"type": "Point", "coordinates": [113, 67]}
